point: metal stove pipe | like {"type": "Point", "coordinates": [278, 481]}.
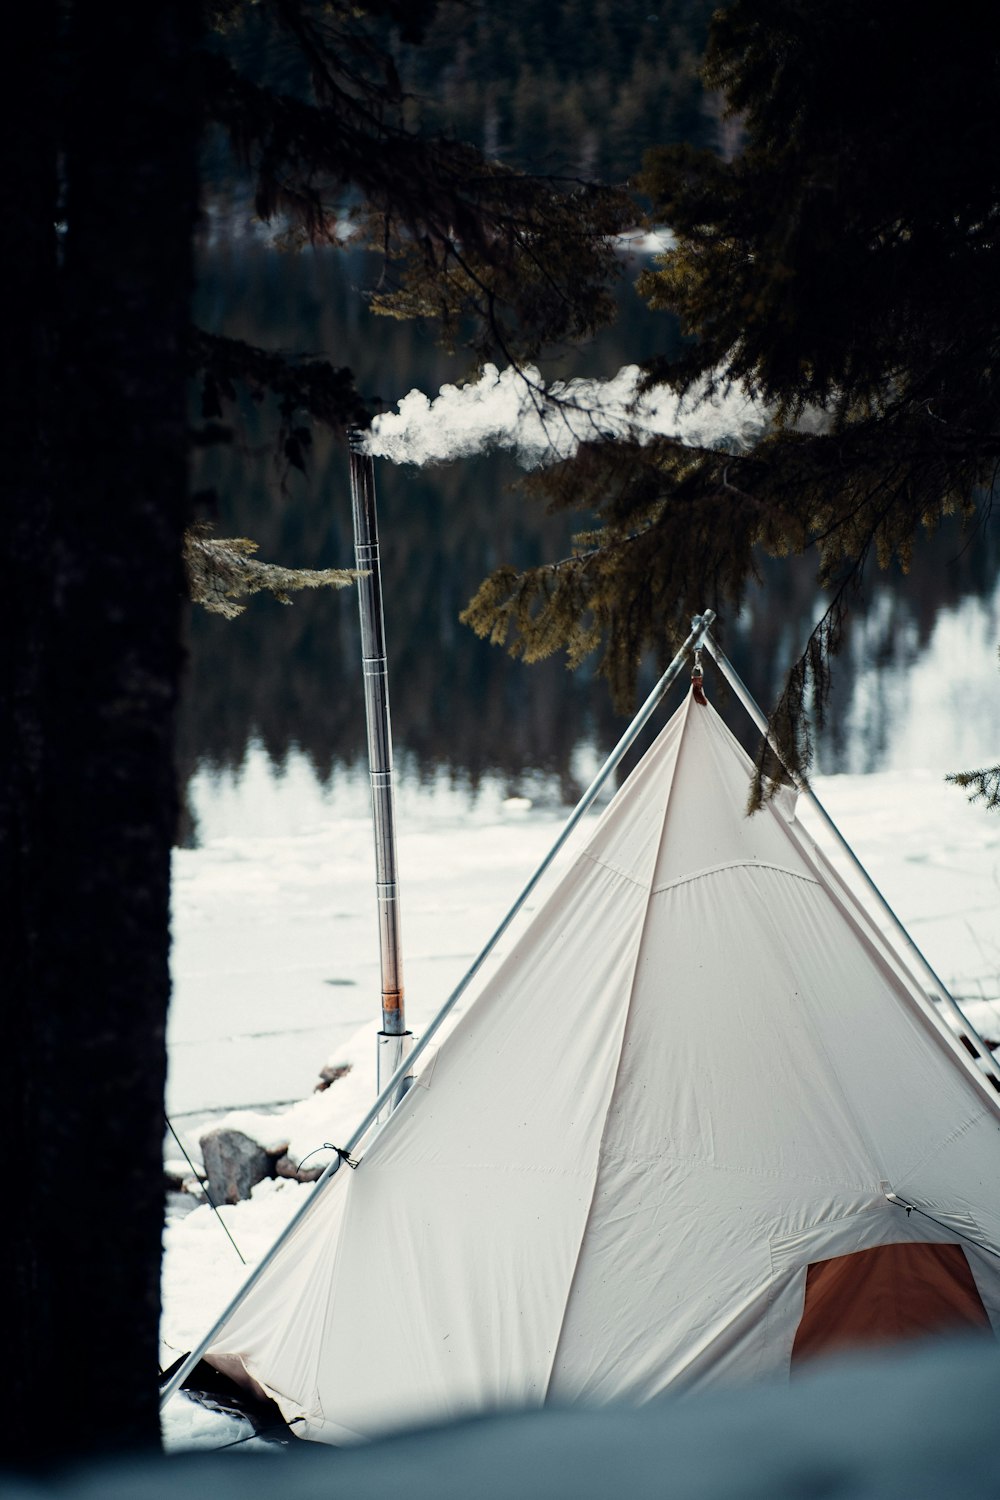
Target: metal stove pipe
{"type": "Point", "coordinates": [394, 1040]}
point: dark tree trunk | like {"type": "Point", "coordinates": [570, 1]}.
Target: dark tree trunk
{"type": "Point", "coordinates": [27, 300]}
{"type": "Point", "coordinates": [95, 456]}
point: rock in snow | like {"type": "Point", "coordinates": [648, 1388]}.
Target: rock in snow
{"type": "Point", "coordinates": [234, 1164]}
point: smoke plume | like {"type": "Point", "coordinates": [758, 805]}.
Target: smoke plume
{"type": "Point", "coordinates": [514, 409]}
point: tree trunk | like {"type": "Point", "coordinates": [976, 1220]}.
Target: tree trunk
{"type": "Point", "coordinates": [96, 452]}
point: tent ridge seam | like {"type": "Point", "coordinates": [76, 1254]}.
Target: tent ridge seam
{"type": "Point", "coordinates": [734, 864]}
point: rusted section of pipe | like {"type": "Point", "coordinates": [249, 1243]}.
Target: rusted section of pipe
{"type": "Point", "coordinates": [392, 1000]}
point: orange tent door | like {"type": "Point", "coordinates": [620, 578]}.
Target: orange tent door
{"type": "Point", "coordinates": [885, 1294]}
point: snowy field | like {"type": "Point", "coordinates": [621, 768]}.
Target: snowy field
{"type": "Point", "coordinates": [276, 958]}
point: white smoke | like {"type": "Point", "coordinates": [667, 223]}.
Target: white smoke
{"type": "Point", "coordinates": [514, 409]}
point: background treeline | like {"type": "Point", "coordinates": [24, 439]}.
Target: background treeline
{"type": "Point", "coordinates": [571, 89]}
{"type": "Point", "coordinates": [290, 676]}
{"type": "Point", "coordinates": [581, 88]}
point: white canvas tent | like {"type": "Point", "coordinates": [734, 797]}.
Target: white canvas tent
{"type": "Point", "coordinates": [699, 1123]}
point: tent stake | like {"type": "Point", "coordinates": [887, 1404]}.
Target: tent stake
{"type": "Point", "coordinates": [393, 1040]}
{"type": "Point", "coordinates": [699, 626]}
{"type": "Point", "coordinates": [757, 715]}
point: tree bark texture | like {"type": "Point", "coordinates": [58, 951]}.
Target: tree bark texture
{"type": "Point", "coordinates": [94, 464]}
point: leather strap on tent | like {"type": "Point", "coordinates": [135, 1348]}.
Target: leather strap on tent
{"type": "Point", "coordinates": [697, 679]}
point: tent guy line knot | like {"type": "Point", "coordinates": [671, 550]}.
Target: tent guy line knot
{"type": "Point", "coordinates": [344, 1155]}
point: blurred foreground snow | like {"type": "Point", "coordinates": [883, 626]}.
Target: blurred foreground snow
{"type": "Point", "coordinates": [916, 1426]}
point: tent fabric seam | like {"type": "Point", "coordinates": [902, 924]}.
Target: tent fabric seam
{"type": "Point", "coordinates": [733, 864]}
{"type": "Point", "coordinates": [787, 1252]}
{"type": "Point", "coordinates": [955, 1135]}
{"type": "Point", "coordinates": [639, 1163]}
{"type": "Point", "coordinates": [474, 1165]}
{"type": "Point", "coordinates": [615, 1072]}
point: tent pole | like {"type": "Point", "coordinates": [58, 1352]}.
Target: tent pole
{"type": "Point", "coordinates": [699, 626]}
{"type": "Point", "coordinates": [393, 1040]}
{"type": "Point", "coordinates": [757, 715]}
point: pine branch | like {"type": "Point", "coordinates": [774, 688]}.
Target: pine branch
{"type": "Point", "coordinates": [222, 570]}
{"type": "Point", "coordinates": [982, 786]}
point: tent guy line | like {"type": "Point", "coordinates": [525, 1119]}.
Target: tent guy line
{"type": "Point", "coordinates": [914, 1208]}
{"type": "Point", "coordinates": [205, 1189]}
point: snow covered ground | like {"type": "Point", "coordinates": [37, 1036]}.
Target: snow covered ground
{"type": "Point", "coordinates": [276, 958]}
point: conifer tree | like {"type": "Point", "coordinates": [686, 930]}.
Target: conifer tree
{"type": "Point", "coordinates": [844, 269]}
{"type": "Point", "coordinates": [101, 171]}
